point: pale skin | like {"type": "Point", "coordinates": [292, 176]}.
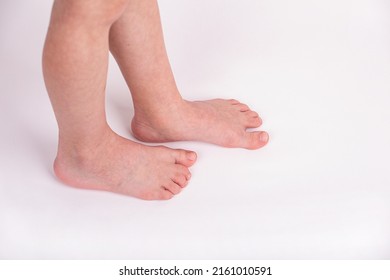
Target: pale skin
{"type": "Point", "coordinates": [90, 155]}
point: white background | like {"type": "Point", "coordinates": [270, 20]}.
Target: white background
{"type": "Point", "coordinates": [318, 72]}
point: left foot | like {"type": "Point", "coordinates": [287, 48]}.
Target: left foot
{"type": "Point", "coordinates": [218, 121]}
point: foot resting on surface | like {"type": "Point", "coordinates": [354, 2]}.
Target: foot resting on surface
{"type": "Point", "coordinates": [122, 166]}
{"type": "Point", "coordinates": [218, 121]}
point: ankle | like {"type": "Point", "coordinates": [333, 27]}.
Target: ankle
{"type": "Point", "coordinates": [161, 111]}
{"type": "Point", "coordinates": [83, 149]}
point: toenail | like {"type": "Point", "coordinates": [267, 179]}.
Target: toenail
{"type": "Point", "coordinates": [191, 156]}
{"type": "Point", "coordinates": [264, 136]}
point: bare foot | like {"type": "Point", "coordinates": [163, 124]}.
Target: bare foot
{"type": "Point", "coordinates": [122, 166]}
{"type": "Point", "coordinates": [218, 121]}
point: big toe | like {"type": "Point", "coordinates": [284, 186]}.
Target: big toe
{"type": "Point", "coordinates": [255, 140]}
{"type": "Point", "coordinates": [184, 157]}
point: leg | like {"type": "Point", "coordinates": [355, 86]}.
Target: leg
{"type": "Point", "coordinates": [136, 41]}
{"type": "Point", "coordinates": [90, 155]}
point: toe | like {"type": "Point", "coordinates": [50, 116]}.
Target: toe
{"type": "Point", "coordinates": [253, 122]}
{"type": "Point", "coordinates": [181, 176]}
{"type": "Point", "coordinates": [180, 179]}
{"type": "Point", "coordinates": [251, 119]}
{"type": "Point", "coordinates": [164, 195]}
{"type": "Point", "coordinates": [184, 157]}
{"type": "Point", "coordinates": [172, 187]}
{"type": "Point", "coordinates": [255, 140]}
{"type": "Point", "coordinates": [252, 114]}
{"type": "Point", "coordinates": [234, 101]}
{"type": "Point", "coordinates": [242, 107]}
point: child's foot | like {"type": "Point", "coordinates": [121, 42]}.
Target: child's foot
{"type": "Point", "coordinates": [218, 121]}
{"type": "Point", "coordinates": [122, 166]}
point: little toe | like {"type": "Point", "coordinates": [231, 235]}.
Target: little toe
{"type": "Point", "coordinates": [184, 157]}
{"type": "Point", "coordinates": [164, 194]}
{"type": "Point", "coordinates": [255, 140]}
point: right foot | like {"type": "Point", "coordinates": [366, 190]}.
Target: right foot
{"type": "Point", "coordinates": [122, 166]}
{"type": "Point", "coordinates": [218, 121]}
